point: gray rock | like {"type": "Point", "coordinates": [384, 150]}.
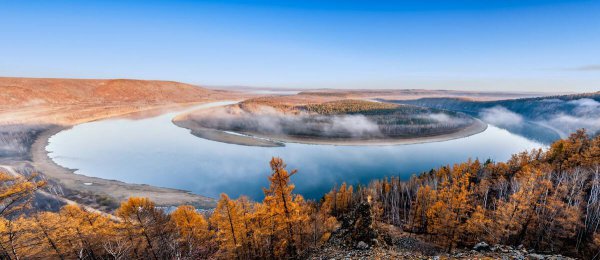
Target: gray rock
{"type": "Point", "coordinates": [481, 246]}
{"type": "Point", "coordinates": [536, 257]}
{"type": "Point", "coordinates": [518, 256]}
{"type": "Point", "coordinates": [362, 245]}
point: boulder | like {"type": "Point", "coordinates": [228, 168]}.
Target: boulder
{"type": "Point", "coordinates": [481, 246]}
{"type": "Point", "coordinates": [362, 245]}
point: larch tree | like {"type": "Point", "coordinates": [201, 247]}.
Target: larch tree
{"type": "Point", "coordinates": [88, 230]}
{"type": "Point", "coordinates": [229, 220]}
{"type": "Point", "coordinates": [452, 205]}
{"type": "Point", "coordinates": [192, 232]}
{"type": "Point", "coordinates": [16, 192]}
{"type": "Point", "coordinates": [285, 208]}
{"type": "Point", "coordinates": [146, 226]}
{"type": "Point", "coordinates": [515, 214]}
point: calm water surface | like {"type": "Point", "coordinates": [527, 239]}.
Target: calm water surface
{"type": "Point", "coordinates": [156, 152]}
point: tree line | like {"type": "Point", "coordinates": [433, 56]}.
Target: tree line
{"type": "Point", "coordinates": [548, 200]}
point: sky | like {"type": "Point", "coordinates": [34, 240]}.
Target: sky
{"type": "Point", "coordinates": [489, 45]}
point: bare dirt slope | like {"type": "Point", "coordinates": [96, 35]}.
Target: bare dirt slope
{"type": "Point", "coordinates": [40, 91]}
{"type": "Point", "coordinates": [72, 101]}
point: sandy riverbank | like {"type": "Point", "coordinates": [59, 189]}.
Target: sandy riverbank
{"type": "Point", "coordinates": [116, 190]}
{"type": "Point", "coordinates": [102, 193]}
{"type": "Point", "coordinates": [196, 129]}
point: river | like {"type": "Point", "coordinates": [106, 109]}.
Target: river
{"type": "Point", "coordinates": [154, 151]}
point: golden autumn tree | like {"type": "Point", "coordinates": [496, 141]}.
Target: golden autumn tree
{"type": "Point", "coordinates": [423, 201]}
{"type": "Point", "coordinates": [192, 231]}
{"type": "Point", "coordinates": [338, 201]}
{"type": "Point", "coordinates": [18, 238]}
{"type": "Point", "coordinates": [322, 223]}
{"type": "Point", "coordinates": [53, 235]}
{"type": "Point", "coordinates": [285, 208]}
{"type": "Point", "coordinates": [514, 215]}
{"type": "Point", "coordinates": [451, 208]}
{"type": "Point", "coordinates": [248, 209]}
{"type": "Point", "coordinates": [263, 234]}
{"type": "Point", "coordinates": [592, 154]}
{"type": "Point", "coordinates": [88, 230]}
{"type": "Point", "coordinates": [146, 227]}
{"type": "Point", "coordinates": [16, 192]}
{"type": "Point", "coordinates": [478, 227]}
{"type": "Point", "coordinates": [229, 220]}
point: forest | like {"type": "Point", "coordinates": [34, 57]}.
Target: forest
{"type": "Point", "coordinates": [545, 199]}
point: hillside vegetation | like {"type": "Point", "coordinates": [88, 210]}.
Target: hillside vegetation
{"type": "Point", "coordinates": [547, 201]}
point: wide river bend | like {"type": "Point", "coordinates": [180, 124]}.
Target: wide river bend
{"type": "Point", "coordinates": [156, 152]}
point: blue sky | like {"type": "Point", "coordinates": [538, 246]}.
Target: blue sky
{"type": "Point", "coordinates": [472, 45]}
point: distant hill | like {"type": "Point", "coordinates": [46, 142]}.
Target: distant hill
{"type": "Point", "coordinates": [43, 91]}
{"type": "Point", "coordinates": [561, 114]}
{"type": "Point", "coordinates": [410, 94]}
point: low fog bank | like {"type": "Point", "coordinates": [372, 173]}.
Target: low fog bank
{"type": "Point", "coordinates": [585, 113]}
{"type": "Point", "coordinates": [562, 116]}
{"type": "Point", "coordinates": [500, 116]}
{"type": "Point", "coordinates": [270, 121]}
{"type": "Point", "coordinates": [266, 120]}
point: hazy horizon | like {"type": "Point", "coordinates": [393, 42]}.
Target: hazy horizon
{"type": "Point", "coordinates": [530, 46]}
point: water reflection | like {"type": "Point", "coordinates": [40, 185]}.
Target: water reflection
{"type": "Point", "coordinates": [154, 151]}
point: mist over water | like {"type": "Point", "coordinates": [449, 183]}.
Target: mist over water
{"type": "Point", "coordinates": [563, 117]}
{"type": "Point", "coordinates": [267, 120]}
{"type": "Point", "coordinates": [154, 151]}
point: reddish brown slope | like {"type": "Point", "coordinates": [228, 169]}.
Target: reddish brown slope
{"type": "Point", "coordinates": [19, 92]}
{"type": "Point", "coordinates": [73, 101]}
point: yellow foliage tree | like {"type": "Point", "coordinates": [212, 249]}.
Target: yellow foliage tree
{"type": "Point", "coordinates": [285, 209]}
{"type": "Point", "coordinates": [229, 220]}
{"type": "Point", "coordinates": [146, 227]}
{"type": "Point", "coordinates": [192, 231]}
{"type": "Point", "coordinates": [452, 207]}
{"type": "Point", "coordinates": [16, 192]}
{"type": "Point", "coordinates": [514, 215]}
